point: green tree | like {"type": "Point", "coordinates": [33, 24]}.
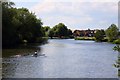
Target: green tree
{"type": "Point", "coordinates": [99, 35]}
{"type": "Point", "coordinates": [112, 33]}
{"type": "Point", "coordinates": [9, 36]}
{"type": "Point", "coordinates": [46, 29]}
{"type": "Point", "coordinates": [70, 32]}
{"type": "Point", "coordinates": [61, 30]}
{"type": "Point", "coordinates": [51, 33]}
{"type": "Point", "coordinates": [30, 27]}
{"type": "Point", "coordinates": [19, 25]}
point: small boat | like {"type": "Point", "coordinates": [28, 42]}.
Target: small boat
{"type": "Point", "coordinates": [36, 54]}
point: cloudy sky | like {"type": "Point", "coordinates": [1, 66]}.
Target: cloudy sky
{"type": "Point", "coordinates": [75, 14]}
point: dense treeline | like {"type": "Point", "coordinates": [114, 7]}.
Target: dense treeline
{"type": "Point", "coordinates": [111, 34]}
{"type": "Point", "coordinates": [19, 25]}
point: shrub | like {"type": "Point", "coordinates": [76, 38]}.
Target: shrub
{"type": "Point", "coordinates": [116, 41]}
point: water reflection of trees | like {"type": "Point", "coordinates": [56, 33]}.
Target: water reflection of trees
{"type": "Point", "coordinates": [22, 50]}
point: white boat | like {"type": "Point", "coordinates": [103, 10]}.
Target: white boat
{"type": "Point", "coordinates": [36, 54]}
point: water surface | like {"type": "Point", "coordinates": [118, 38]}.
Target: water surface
{"type": "Point", "coordinates": [65, 58]}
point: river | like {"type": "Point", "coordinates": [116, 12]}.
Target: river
{"type": "Point", "coordinates": [65, 58]}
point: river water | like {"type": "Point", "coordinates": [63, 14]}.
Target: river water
{"type": "Point", "coordinates": [65, 58]}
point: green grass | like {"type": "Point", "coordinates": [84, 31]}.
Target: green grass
{"type": "Point", "coordinates": [85, 38]}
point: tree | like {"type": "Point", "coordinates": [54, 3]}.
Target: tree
{"type": "Point", "coordinates": [61, 30]}
{"type": "Point", "coordinates": [46, 29]}
{"type": "Point", "coordinates": [19, 25]}
{"type": "Point", "coordinates": [9, 36]}
{"type": "Point", "coordinates": [99, 35]}
{"type": "Point", "coordinates": [51, 33]}
{"type": "Point", "coordinates": [112, 32]}
{"type": "Point", "coordinates": [70, 32]}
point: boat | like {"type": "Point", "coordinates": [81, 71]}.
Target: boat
{"type": "Point", "coordinates": [36, 54]}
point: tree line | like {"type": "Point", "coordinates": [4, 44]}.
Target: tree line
{"type": "Point", "coordinates": [112, 34]}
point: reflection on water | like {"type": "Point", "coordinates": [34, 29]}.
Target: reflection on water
{"type": "Point", "coordinates": [22, 50]}
{"type": "Point", "coordinates": [64, 58]}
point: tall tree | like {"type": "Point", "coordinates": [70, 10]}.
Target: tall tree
{"type": "Point", "coordinates": [112, 32]}
{"type": "Point", "coordinates": [9, 36]}
{"type": "Point", "coordinates": [19, 25]}
{"type": "Point", "coordinates": [99, 35]}
{"type": "Point", "coordinates": [61, 30]}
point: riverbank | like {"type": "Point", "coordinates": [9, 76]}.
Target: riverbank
{"type": "Point", "coordinates": [24, 48]}
{"type": "Point", "coordinates": [93, 38]}
{"type": "Point", "coordinates": [84, 38]}
{"type": "Point", "coordinates": [71, 37]}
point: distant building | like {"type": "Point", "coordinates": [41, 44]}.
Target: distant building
{"type": "Point", "coordinates": [84, 33]}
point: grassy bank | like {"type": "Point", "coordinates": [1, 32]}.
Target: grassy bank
{"type": "Point", "coordinates": [84, 38]}
{"type": "Point", "coordinates": [70, 37]}
{"type": "Point", "coordinates": [93, 38]}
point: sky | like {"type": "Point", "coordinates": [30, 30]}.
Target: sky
{"type": "Point", "coordinates": [75, 14]}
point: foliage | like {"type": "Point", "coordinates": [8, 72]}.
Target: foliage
{"type": "Point", "coordinates": [70, 33]}
{"type": "Point", "coordinates": [99, 35]}
{"type": "Point", "coordinates": [117, 64]}
{"type": "Point", "coordinates": [60, 30]}
{"type": "Point", "coordinates": [46, 29]}
{"type": "Point", "coordinates": [117, 48]}
{"type": "Point", "coordinates": [51, 33]}
{"type": "Point", "coordinates": [116, 41]}
{"type": "Point", "coordinates": [112, 33]}
{"type": "Point", "coordinates": [19, 25]}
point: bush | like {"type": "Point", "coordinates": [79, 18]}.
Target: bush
{"type": "Point", "coordinates": [116, 41]}
{"type": "Point", "coordinates": [42, 40]}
